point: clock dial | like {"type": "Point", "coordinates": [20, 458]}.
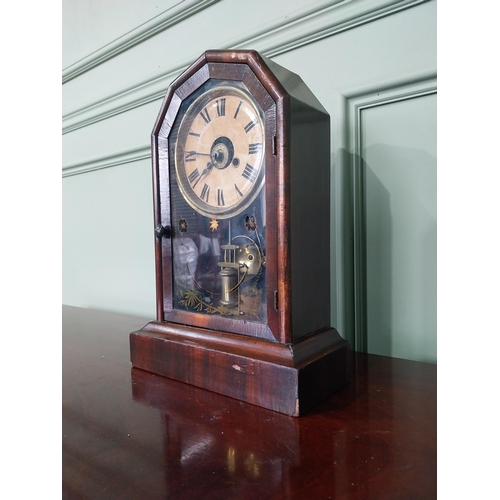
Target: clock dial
{"type": "Point", "coordinates": [219, 152]}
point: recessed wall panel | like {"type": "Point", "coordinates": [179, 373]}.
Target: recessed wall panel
{"type": "Point", "coordinates": [399, 172]}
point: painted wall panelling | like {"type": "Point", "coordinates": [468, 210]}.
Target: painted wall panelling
{"type": "Point", "coordinates": [383, 57]}
{"type": "Point", "coordinates": [393, 139]}
{"type": "Point", "coordinates": [344, 50]}
{"type": "Point", "coordinates": [95, 31]}
{"type": "Point", "coordinates": [113, 88]}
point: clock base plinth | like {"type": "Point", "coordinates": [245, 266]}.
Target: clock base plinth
{"type": "Point", "coordinates": [289, 379]}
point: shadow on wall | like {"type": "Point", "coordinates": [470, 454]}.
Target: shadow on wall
{"type": "Point", "coordinates": [399, 252]}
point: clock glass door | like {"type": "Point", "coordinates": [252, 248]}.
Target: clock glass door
{"type": "Point", "coordinates": [217, 168]}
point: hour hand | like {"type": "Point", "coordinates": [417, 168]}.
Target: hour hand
{"type": "Point", "coordinates": [189, 156]}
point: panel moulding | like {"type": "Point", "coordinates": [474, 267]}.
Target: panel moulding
{"type": "Point", "coordinates": [390, 90]}
{"type": "Point", "coordinates": [138, 154]}
{"type": "Point", "coordinates": [167, 19]}
{"type": "Point", "coordinates": [305, 27]}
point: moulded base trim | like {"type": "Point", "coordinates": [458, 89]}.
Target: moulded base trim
{"type": "Point", "coordinates": [289, 379]}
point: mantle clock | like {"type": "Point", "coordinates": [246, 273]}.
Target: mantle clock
{"type": "Point", "coordinates": [241, 187]}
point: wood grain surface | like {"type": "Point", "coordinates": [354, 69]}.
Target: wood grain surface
{"type": "Point", "coordinates": [131, 434]}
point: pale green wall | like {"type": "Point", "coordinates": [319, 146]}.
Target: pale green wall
{"type": "Point", "coordinates": [108, 254]}
{"type": "Point", "coordinates": [400, 186]}
{"type": "Point", "coordinates": [117, 66]}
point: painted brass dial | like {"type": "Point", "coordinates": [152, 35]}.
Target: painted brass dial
{"type": "Point", "coordinates": [219, 152]}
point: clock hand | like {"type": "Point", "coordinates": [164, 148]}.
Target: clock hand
{"type": "Point", "coordinates": [207, 169]}
{"type": "Point", "coordinates": [192, 153]}
{"type": "Point", "coordinates": [197, 177]}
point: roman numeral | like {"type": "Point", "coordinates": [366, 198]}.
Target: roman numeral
{"type": "Point", "coordinates": [250, 126]}
{"type": "Point", "coordinates": [205, 192]}
{"type": "Point", "coordinates": [238, 109]}
{"type": "Point", "coordinates": [221, 107]}
{"type": "Point", "coordinates": [254, 148]}
{"type": "Point", "coordinates": [220, 197]}
{"type": "Point", "coordinates": [193, 133]}
{"type": "Point", "coordinates": [194, 176]}
{"type": "Point", "coordinates": [190, 156]}
{"type": "Point", "coordinates": [204, 114]}
{"type": "Point", "coordinates": [240, 194]}
{"type": "Point", "coordinates": [250, 172]}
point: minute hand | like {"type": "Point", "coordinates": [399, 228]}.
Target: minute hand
{"type": "Point", "coordinates": [207, 169]}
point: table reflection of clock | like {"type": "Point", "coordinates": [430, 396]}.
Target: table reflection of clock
{"type": "Point", "coordinates": [241, 183]}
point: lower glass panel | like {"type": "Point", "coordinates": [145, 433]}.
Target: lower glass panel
{"type": "Point", "coordinates": [219, 265]}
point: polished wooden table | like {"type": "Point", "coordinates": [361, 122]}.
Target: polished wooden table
{"type": "Point", "coordinates": [128, 434]}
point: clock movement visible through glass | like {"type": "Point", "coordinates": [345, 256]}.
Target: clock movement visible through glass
{"type": "Point", "coordinates": [217, 169]}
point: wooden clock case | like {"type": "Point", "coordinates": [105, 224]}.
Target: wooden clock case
{"type": "Point", "coordinates": [296, 359]}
